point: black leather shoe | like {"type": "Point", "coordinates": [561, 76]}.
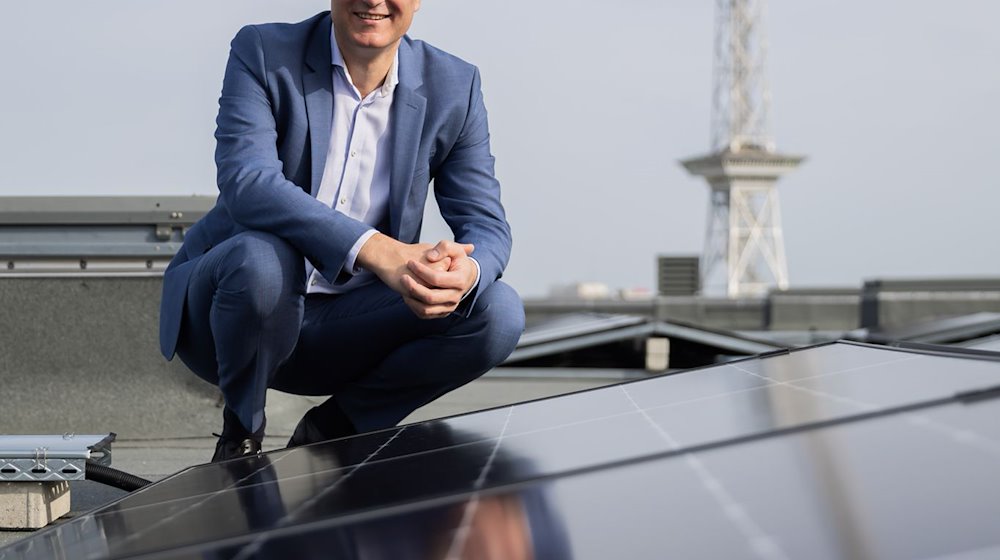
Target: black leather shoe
{"type": "Point", "coordinates": [230, 448]}
{"type": "Point", "coordinates": [333, 421]}
{"type": "Point", "coordinates": [235, 440]}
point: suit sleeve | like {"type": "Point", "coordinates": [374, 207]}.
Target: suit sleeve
{"type": "Point", "coordinates": [251, 183]}
{"type": "Point", "coordinates": [468, 195]}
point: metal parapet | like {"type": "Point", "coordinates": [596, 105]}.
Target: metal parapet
{"type": "Point", "coordinates": [94, 236]}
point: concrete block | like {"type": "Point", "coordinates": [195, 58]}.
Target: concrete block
{"type": "Point", "coordinates": [657, 354]}
{"type": "Point", "coordinates": [32, 505]}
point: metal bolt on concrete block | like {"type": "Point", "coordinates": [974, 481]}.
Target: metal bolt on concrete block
{"type": "Point", "coordinates": [32, 505]}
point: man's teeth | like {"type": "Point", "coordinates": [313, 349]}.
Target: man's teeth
{"type": "Point", "coordinates": [375, 17]}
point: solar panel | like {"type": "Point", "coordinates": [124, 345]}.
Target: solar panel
{"type": "Point", "coordinates": [991, 343]}
{"type": "Point", "coordinates": [573, 331]}
{"type": "Point", "coordinates": [940, 331]}
{"type": "Point", "coordinates": [574, 325]}
{"type": "Point", "coordinates": [840, 450]}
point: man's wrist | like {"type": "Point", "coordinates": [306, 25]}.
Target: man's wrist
{"type": "Point", "coordinates": [351, 265]}
{"type": "Point", "coordinates": [374, 253]}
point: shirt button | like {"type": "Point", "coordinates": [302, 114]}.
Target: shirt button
{"type": "Point", "coordinates": [343, 200]}
{"type": "Point", "coordinates": [314, 282]}
{"type": "Point", "coordinates": [354, 154]}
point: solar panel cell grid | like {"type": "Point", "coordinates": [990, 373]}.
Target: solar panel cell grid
{"type": "Point", "coordinates": [562, 472]}
{"type": "Point", "coordinates": [868, 490]}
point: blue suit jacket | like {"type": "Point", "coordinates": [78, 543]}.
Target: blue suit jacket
{"type": "Point", "coordinates": [275, 117]}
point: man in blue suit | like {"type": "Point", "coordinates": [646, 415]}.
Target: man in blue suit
{"type": "Point", "coordinates": [308, 276]}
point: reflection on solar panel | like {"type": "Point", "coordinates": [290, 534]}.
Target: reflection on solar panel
{"type": "Point", "coordinates": [991, 343]}
{"type": "Point", "coordinates": [835, 451]}
{"type": "Point", "coordinates": [937, 331]}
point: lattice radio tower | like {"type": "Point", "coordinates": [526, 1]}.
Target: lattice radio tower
{"type": "Point", "coordinates": [744, 253]}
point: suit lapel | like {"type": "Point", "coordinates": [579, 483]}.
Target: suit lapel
{"type": "Point", "coordinates": [407, 123]}
{"type": "Point", "coordinates": [317, 84]}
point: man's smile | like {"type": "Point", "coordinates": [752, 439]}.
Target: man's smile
{"type": "Point", "coordinates": [371, 25]}
{"type": "Point", "coordinates": [371, 17]}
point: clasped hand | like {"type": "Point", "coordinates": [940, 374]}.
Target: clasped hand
{"type": "Point", "coordinates": [431, 278]}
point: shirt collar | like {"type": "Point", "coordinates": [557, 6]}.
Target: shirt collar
{"type": "Point", "coordinates": [391, 79]}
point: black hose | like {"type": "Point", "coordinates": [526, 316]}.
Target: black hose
{"type": "Point", "coordinates": [114, 477]}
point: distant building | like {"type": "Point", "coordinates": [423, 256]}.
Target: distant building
{"type": "Point", "coordinates": [581, 290]}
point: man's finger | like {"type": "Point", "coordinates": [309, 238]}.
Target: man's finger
{"type": "Point", "coordinates": [423, 311]}
{"type": "Point", "coordinates": [443, 264]}
{"type": "Point", "coordinates": [429, 296]}
{"type": "Point", "coordinates": [450, 249]}
{"type": "Point", "coordinates": [449, 280]}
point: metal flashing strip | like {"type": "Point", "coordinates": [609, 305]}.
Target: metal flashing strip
{"type": "Point", "coordinates": [32, 267]}
{"type": "Point", "coordinates": [578, 342]}
{"type": "Point", "coordinates": [592, 330]}
{"type": "Point", "coordinates": [66, 210]}
{"type": "Point", "coordinates": [989, 343]}
{"type": "Point", "coordinates": [29, 242]}
{"type": "Point", "coordinates": [44, 458]}
{"type": "Point", "coordinates": [937, 331]}
{"type": "Point", "coordinates": [943, 350]}
{"type": "Point", "coordinates": [725, 341]}
{"type": "Point", "coordinates": [576, 324]}
{"type": "Point", "coordinates": [566, 374]}
{"type": "Point", "coordinates": [946, 350]}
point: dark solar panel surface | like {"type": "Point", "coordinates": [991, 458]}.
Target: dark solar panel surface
{"type": "Point", "coordinates": [837, 451]}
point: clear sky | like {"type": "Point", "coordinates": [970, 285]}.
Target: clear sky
{"type": "Point", "coordinates": [592, 102]}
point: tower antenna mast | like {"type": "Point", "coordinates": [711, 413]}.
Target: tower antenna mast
{"type": "Point", "coordinates": [744, 252]}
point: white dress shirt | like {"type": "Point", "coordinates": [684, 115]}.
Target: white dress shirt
{"type": "Point", "coordinates": [356, 176]}
{"type": "Point", "coordinates": [358, 165]}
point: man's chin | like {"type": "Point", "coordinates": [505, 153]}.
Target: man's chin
{"type": "Point", "coordinates": [373, 46]}
{"type": "Point", "coordinates": [371, 40]}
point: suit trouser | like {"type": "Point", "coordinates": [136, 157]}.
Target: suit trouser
{"type": "Point", "coordinates": [248, 326]}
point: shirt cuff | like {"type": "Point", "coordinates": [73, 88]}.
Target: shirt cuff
{"type": "Point", "coordinates": [350, 265]}
{"type": "Point", "coordinates": [475, 284]}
